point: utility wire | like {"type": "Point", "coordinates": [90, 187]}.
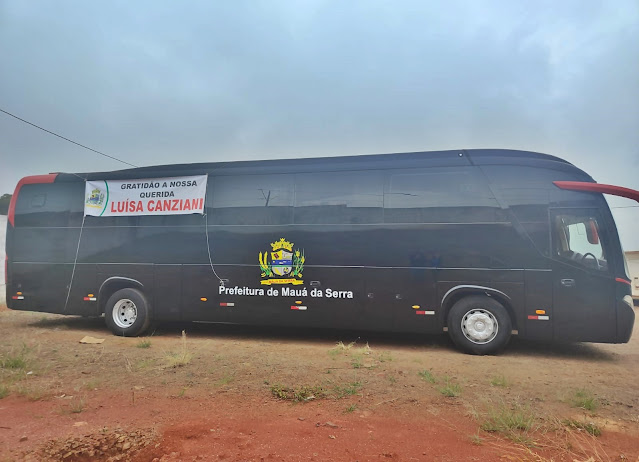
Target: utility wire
{"type": "Point", "coordinates": [625, 207]}
{"type": "Point", "coordinates": [66, 139]}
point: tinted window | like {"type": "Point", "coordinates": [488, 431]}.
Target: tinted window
{"type": "Point", "coordinates": [250, 199]}
{"type": "Point", "coordinates": [46, 204]}
{"type": "Point", "coordinates": [457, 195]}
{"type": "Point", "coordinates": [339, 197]}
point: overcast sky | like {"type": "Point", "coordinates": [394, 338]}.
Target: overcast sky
{"type": "Point", "coordinates": [164, 82]}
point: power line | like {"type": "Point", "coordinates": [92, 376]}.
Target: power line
{"type": "Point", "coordinates": [66, 139]}
{"type": "Point", "coordinates": [625, 207]}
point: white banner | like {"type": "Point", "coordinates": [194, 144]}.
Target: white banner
{"type": "Point", "coordinates": [150, 196]}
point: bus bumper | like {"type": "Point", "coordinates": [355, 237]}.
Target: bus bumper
{"type": "Point", "coordinates": [625, 319]}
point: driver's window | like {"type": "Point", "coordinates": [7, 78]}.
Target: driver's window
{"type": "Point", "coordinates": [577, 238]}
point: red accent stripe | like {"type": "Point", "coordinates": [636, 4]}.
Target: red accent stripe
{"type": "Point", "coordinates": [223, 304]}
{"type": "Point", "coordinates": [420, 312]}
{"type": "Point", "coordinates": [623, 280]}
{"type": "Point", "coordinates": [86, 299]}
{"type": "Point", "coordinates": [600, 188]}
{"type": "Point", "coordinates": [293, 307]}
{"type": "Point", "coordinates": [35, 179]}
{"type": "Point", "coordinates": [15, 297]}
{"type": "Point", "coordinates": [533, 317]}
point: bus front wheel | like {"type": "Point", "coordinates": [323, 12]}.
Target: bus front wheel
{"type": "Point", "coordinates": [127, 313]}
{"type": "Point", "coordinates": [479, 325]}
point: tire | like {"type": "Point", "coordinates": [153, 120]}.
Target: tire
{"type": "Point", "coordinates": [479, 325]}
{"type": "Point", "coordinates": [127, 313]}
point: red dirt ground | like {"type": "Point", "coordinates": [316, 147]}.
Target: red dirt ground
{"type": "Point", "coordinates": [117, 401]}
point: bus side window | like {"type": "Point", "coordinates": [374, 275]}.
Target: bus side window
{"type": "Point", "coordinates": [339, 197]}
{"type": "Point", "coordinates": [250, 199]}
{"type": "Point", "coordinates": [577, 238]}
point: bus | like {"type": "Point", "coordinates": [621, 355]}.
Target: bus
{"type": "Point", "coordinates": [483, 244]}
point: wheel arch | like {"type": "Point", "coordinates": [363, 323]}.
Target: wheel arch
{"type": "Point", "coordinates": [458, 292]}
{"type": "Point", "coordinates": [112, 285]}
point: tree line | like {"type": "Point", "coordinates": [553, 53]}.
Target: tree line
{"type": "Point", "coordinates": [4, 203]}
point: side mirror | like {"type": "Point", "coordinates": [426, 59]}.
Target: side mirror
{"type": "Point", "coordinates": [591, 232]}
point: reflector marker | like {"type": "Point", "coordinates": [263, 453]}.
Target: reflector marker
{"type": "Point", "coordinates": [424, 312]}
{"type": "Point", "coordinates": [298, 302]}
{"type": "Point", "coordinates": [227, 304]}
{"type": "Point", "coordinates": [539, 318]}
{"type": "Point", "coordinates": [415, 307]}
{"type": "Point", "coordinates": [203, 299]}
{"type": "Point", "coordinates": [540, 311]}
{"type": "Point", "coordinates": [18, 297]}
{"type": "Point", "coordinates": [298, 307]}
{"type": "Point", "coordinates": [89, 299]}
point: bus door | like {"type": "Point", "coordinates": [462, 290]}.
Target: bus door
{"type": "Point", "coordinates": [583, 281]}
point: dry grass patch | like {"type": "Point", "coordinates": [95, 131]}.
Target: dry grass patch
{"type": "Point", "coordinates": [179, 358]}
{"type": "Point", "coordinates": [299, 394]}
{"type": "Point", "coordinates": [516, 423]}
{"type": "Point", "coordinates": [584, 399]}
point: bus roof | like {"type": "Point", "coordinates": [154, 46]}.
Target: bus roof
{"type": "Point", "coordinates": [450, 158]}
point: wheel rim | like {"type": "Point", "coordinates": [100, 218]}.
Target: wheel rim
{"type": "Point", "coordinates": [479, 326]}
{"type": "Point", "coordinates": [125, 313]}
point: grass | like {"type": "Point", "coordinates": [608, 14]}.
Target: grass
{"type": "Point", "coordinates": [476, 440]}
{"type": "Point", "coordinates": [144, 344]}
{"type": "Point", "coordinates": [91, 384]}
{"type": "Point", "coordinates": [356, 354]}
{"type": "Point", "coordinates": [450, 389]}
{"type": "Point", "coordinates": [499, 381]}
{"type": "Point", "coordinates": [76, 406]}
{"type": "Point", "coordinates": [347, 390]}
{"type": "Point", "coordinates": [365, 350]}
{"type": "Point", "coordinates": [224, 380]}
{"type": "Point", "coordinates": [384, 357]}
{"type": "Point", "coordinates": [301, 394]}
{"type": "Point", "coordinates": [14, 361]}
{"type": "Point", "coordinates": [179, 358]}
{"type": "Point", "coordinates": [340, 348]}
{"type": "Point", "coordinates": [145, 363]}
{"type": "Point", "coordinates": [428, 376]}
{"type": "Point", "coordinates": [32, 393]}
{"type": "Point", "coordinates": [351, 408]}
{"type": "Point", "coordinates": [513, 422]}
{"type": "Point", "coordinates": [4, 391]}
{"type": "Point", "coordinates": [588, 427]}
{"type": "Point", "coordinates": [306, 393]}
{"type": "Point", "coordinates": [584, 399]}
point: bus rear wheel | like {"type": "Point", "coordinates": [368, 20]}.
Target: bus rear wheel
{"type": "Point", "coordinates": [479, 325]}
{"type": "Point", "coordinates": [127, 313]}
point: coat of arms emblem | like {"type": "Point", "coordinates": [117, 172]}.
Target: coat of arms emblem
{"type": "Point", "coordinates": [95, 199]}
{"type": "Point", "coordinates": [285, 266]}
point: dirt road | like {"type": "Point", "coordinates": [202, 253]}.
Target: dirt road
{"type": "Point", "coordinates": [240, 393]}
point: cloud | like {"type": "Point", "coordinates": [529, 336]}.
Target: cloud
{"type": "Point", "coordinates": [157, 82]}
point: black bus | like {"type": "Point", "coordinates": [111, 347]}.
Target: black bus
{"type": "Point", "coordinates": [480, 243]}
